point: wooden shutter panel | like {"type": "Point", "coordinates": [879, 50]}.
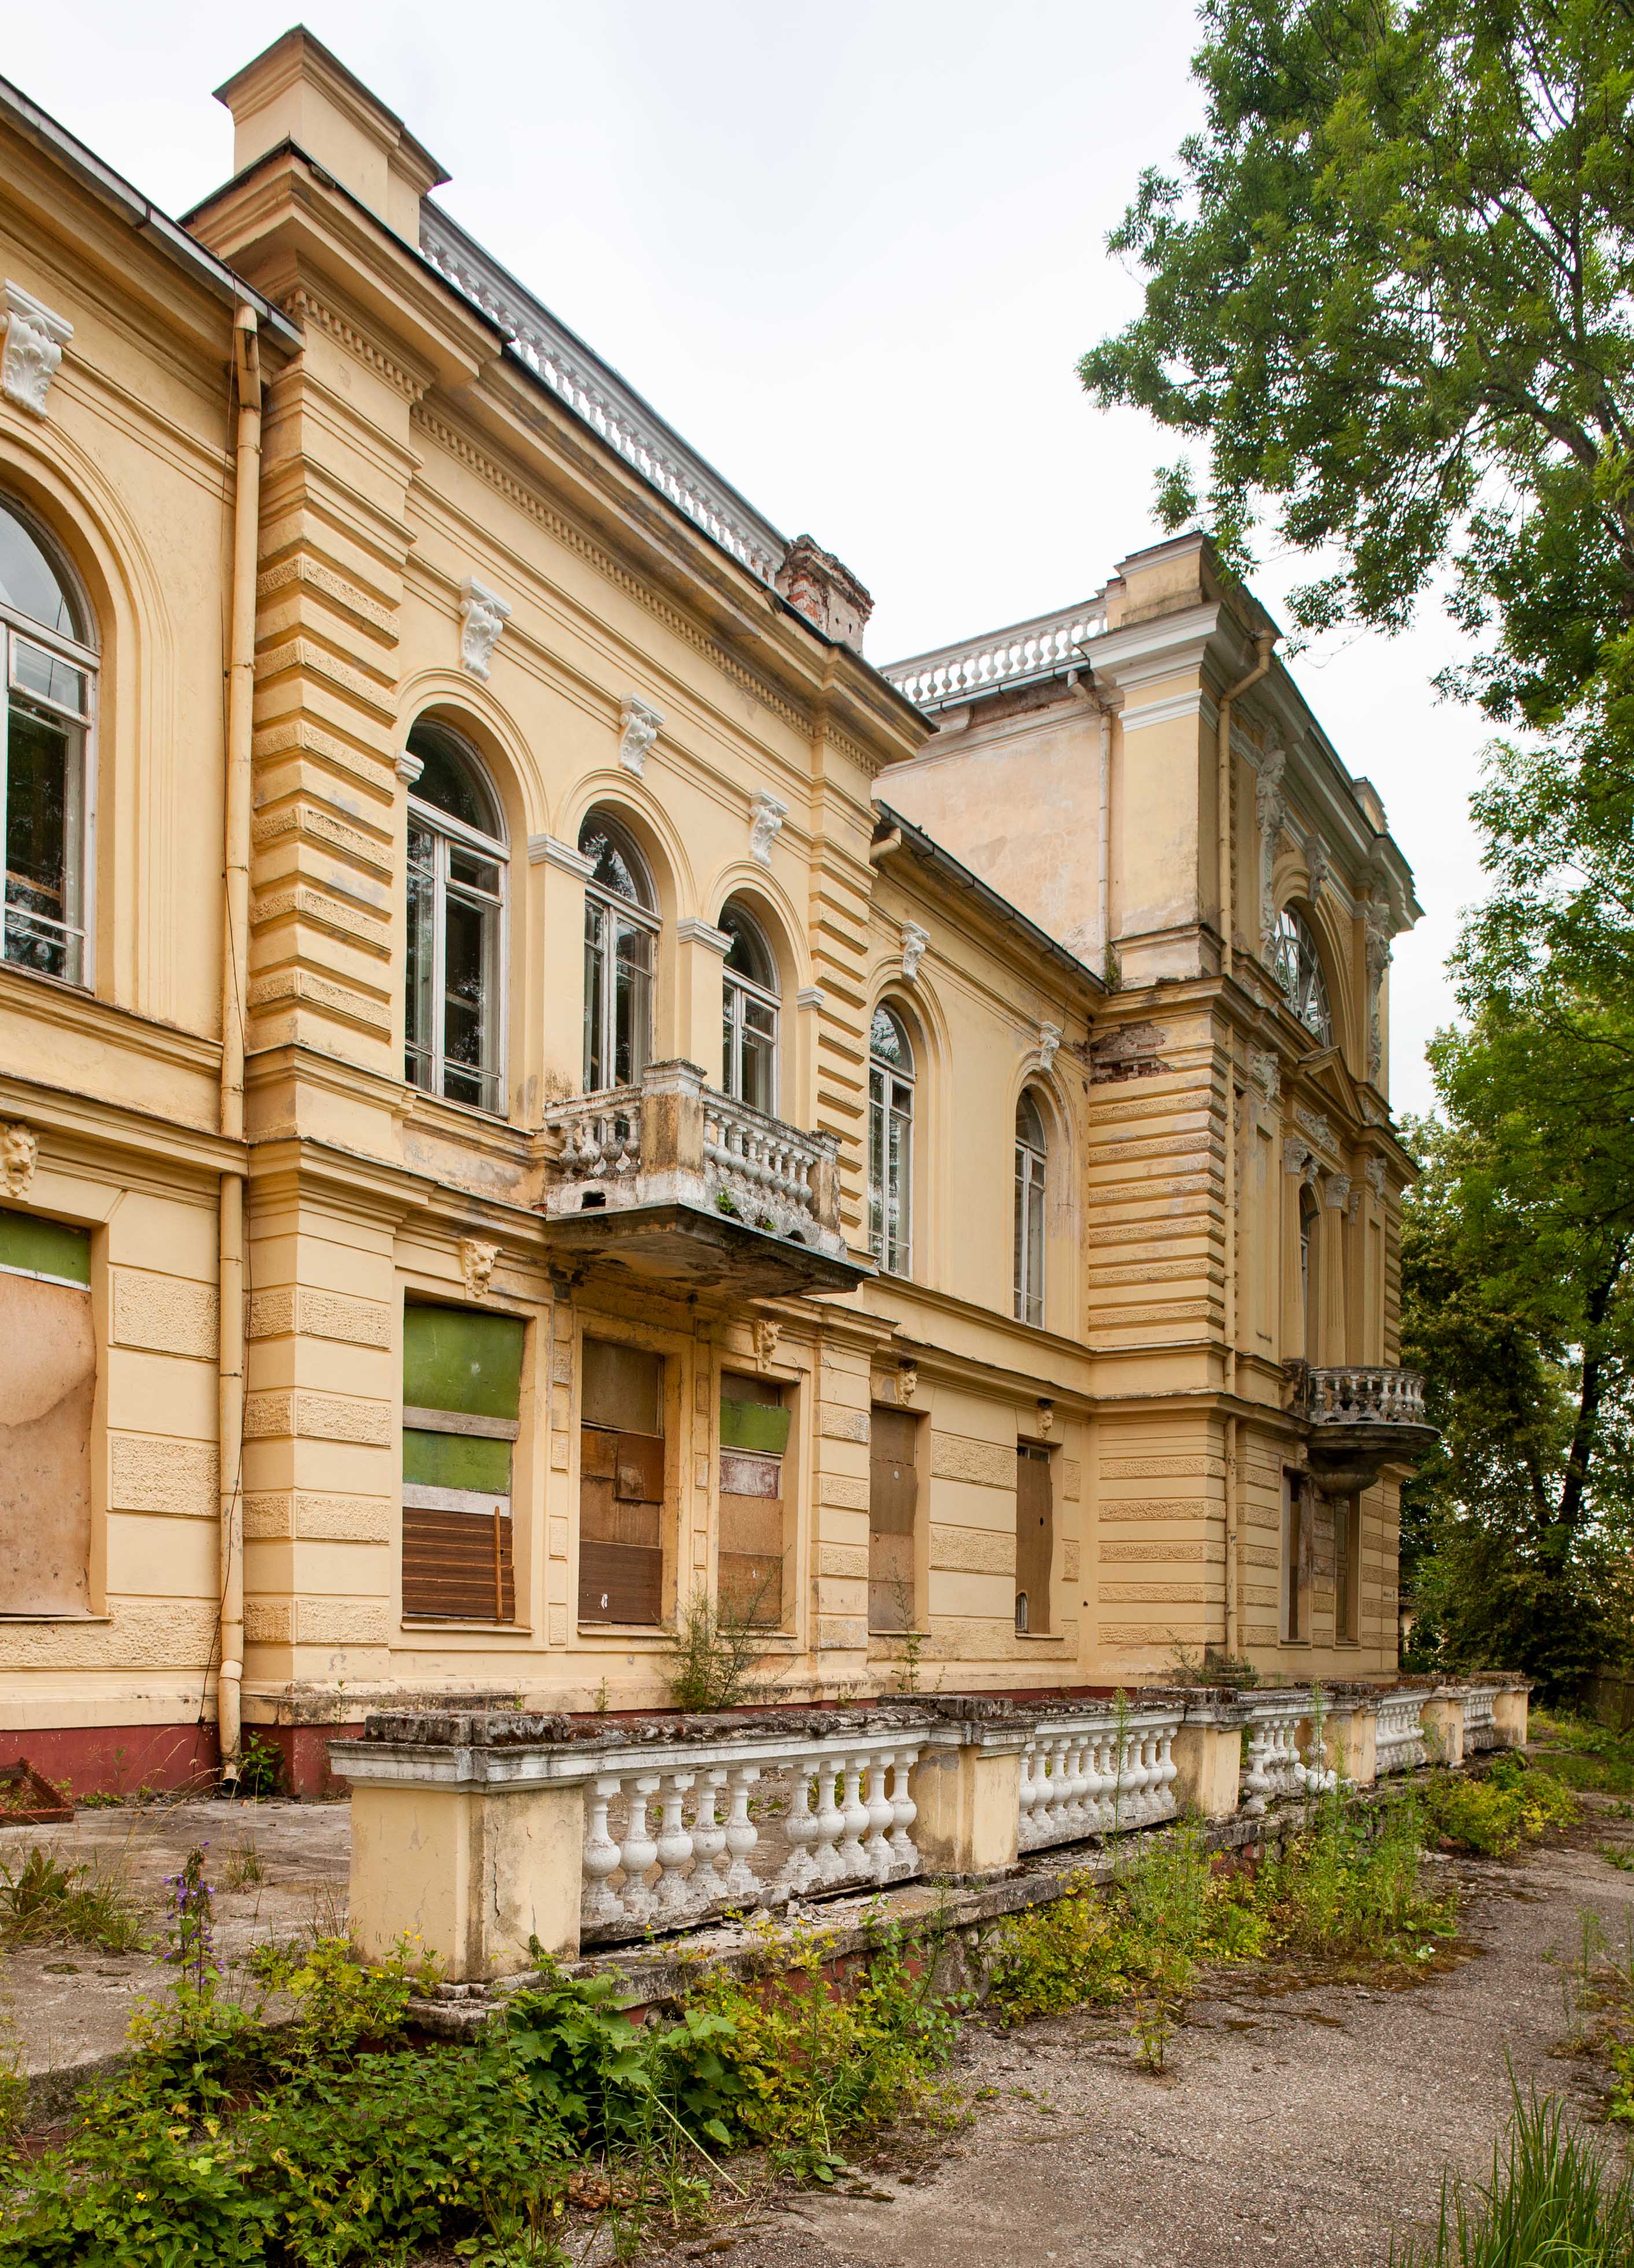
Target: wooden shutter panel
{"type": "Point", "coordinates": [621, 1485]}
{"type": "Point", "coordinates": [893, 1513]}
{"type": "Point", "coordinates": [1035, 1532]}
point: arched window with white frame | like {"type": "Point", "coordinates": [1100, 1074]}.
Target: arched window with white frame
{"type": "Point", "coordinates": [620, 951]}
{"type": "Point", "coordinates": [749, 1013]}
{"type": "Point", "coordinates": [1298, 968]}
{"type": "Point", "coordinates": [1031, 1158]}
{"type": "Point", "coordinates": [454, 1022]}
{"type": "Point", "coordinates": [48, 656]}
{"type": "Point", "coordinates": [890, 1143]}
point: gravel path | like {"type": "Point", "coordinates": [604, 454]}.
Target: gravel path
{"type": "Point", "coordinates": [1307, 2124]}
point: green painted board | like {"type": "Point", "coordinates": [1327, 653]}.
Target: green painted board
{"type": "Point", "coordinates": [755, 1425]}
{"type": "Point", "coordinates": [32, 1246]}
{"type": "Point", "coordinates": [456, 1461]}
{"type": "Point", "coordinates": [454, 1358]}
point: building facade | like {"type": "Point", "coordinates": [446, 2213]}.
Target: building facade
{"type": "Point", "coordinates": [541, 1090]}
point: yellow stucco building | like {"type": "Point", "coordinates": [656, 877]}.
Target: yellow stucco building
{"type": "Point", "coordinates": [537, 1085]}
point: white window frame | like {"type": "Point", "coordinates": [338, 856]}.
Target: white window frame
{"type": "Point", "coordinates": [15, 625]}
{"type": "Point", "coordinates": [894, 1256]}
{"type": "Point", "coordinates": [446, 831]}
{"type": "Point", "coordinates": [614, 904]}
{"type": "Point", "coordinates": [1032, 1181]}
{"type": "Point", "coordinates": [1297, 965]}
{"type": "Point", "coordinates": [737, 989]}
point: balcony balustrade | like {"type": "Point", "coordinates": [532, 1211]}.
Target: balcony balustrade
{"type": "Point", "coordinates": [1361, 1416]}
{"type": "Point", "coordinates": [1400, 1740]}
{"type": "Point", "coordinates": [1091, 1774]}
{"type": "Point", "coordinates": [672, 1179]}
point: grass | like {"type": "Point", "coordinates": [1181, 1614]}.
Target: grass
{"type": "Point", "coordinates": [1583, 1754]}
{"type": "Point", "coordinates": [1551, 2202]}
{"type": "Point", "coordinates": [44, 1902]}
{"type": "Point", "coordinates": [1491, 1814]}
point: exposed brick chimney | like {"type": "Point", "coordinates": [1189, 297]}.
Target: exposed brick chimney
{"type": "Point", "coordinates": [825, 590]}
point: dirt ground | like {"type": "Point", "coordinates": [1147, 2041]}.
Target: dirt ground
{"type": "Point", "coordinates": [278, 1869]}
{"type": "Point", "coordinates": [1310, 2125]}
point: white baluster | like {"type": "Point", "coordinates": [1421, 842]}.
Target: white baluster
{"type": "Point", "coordinates": [856, 1819]}
{"type": "Point", "coordinates": [674, 1848]}
{"type": "Point", "coordinates": [742, 1835]}
{"type": "Point", "coordinates": [830, 1824]}
{"type": "Point", "coordinates": [800, 1831]}
{"type": "Point", "coordinates": [638, 1851]}
{"type": "Point", "coordinates": [1169, 1772]}
{"type": "Point", "coordinates": [709, 1840]}
{"type": "Point", "coordinates": [601, 1858]}
{"type": "Point", "coordinates": [1027, 1795]}
{"type": "Point", "coordinates": [881, 1813]}
{"type": "Point", "coordinates": [904, 1811]}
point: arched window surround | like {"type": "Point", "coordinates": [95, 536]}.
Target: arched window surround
{"type": "Point", "coordinates": [49, 664]}
{"type": "Point", "coordinates": [457, 868]}
{"type": "Point", "coordinates": [1299, 965]}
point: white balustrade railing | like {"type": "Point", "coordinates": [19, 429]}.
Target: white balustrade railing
{"type": "Point", "coordinates": [1028, 650]}
{"type": "Point", "coordinates": [601, 1138]}
{"type": "Point", "coordinates": [1373, 1395]}
{"type": "Point", "coordinates": [845, 1820]}
{"type": "Point", "coordinates": [768, 1171]}
{"type": "Point", "coordinates": [1277, 1768]}
{"type": "Point", "coordinates": [1400, 1739]}
{"type": "Point", "coordinates": [1086, 1775]}
{"type": "Point", "coordinates": [600, 396]}
{"type": "Point", "coordinates": [1480, 1730]}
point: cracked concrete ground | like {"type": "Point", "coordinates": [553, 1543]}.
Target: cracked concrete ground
{"type": "Point", "coordinates": [1310, 2124]}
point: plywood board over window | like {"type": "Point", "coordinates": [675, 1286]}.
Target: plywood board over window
{"type": "Point", "coordinates": [462, 1380]}
{"type": "Point", "coordinates": [48, 1392]}
{"type": "Point", "coordinates": [753, 1439]}
{"type": "Point", "coordinates": [1036, 1536]}
{"type": "Point", "coordinates": [893, 1519]}
{"type": "Point", "coordinates": [622, 1484]}
{"type": "Point", "coordinates": [1298, 1550]}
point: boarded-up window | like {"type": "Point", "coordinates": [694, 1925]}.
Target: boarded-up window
{"type": "Point", "coordinates": [48, 1388]}
{"type": "Point", "coordinates": [1036, 1536]}
{"type": "Point", "coordinates": [1297, 1544]}
{"type": "Point", "coordinates": [1347, 1570]}
{"type": "Point", "coordinates": [462, 1378]}
{"type": "Point", "coordinates": [893, 1514]}
{"type": "Point", "coordinates": [621, 1485]}
{"type": "Point", "coordinates": [753, 1437]}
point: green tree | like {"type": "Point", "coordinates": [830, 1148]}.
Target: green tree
{"type": "Point", "coordinates": [1517, 1301]}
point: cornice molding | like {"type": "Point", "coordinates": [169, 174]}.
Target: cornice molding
{"type": "Point", "coordinates": [303, 307]}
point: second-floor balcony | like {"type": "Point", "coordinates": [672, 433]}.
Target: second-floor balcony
{"type": "Point", "coordinates": [675, 1181]}
{"type": "Point", "coordinates": [1360, 1417]}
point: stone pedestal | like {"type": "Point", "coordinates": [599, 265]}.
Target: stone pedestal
{"type": "Point", "coordinates": [1443, 1721]}
{"type": "Point", "coordinates": [467, 1874]}
{"type": "Point", "coordinates": [1511, 1708]}
{"type": "Point", "coordinates": [1208, 1757]}
{"type": "Point", "coordinates": [969, 1796]}
{"type": "Point", "coordinates": [1354, 1734]}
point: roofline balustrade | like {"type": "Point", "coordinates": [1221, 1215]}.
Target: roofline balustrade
{"type": "Point", "coordinates": [1027, 653]}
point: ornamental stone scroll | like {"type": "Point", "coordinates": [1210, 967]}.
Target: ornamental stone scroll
{"type": "Point", "coordinates": [767, 813]}
{"type": "Point", "coordinates": [1271, 808]}
{"type": "Point", "coordinates": [19, 1154]}
{"type": "Point", "coordinates": [483, 615]}
{"type": "Point", "coordinates": [640, 725]}
{"type": "Point", "coordinates": [34, 341]}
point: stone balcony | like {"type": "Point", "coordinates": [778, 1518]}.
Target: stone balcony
{"type": "Point", "coordinates": [1359, 1417]}
{"type": "Point", "coordinates": [673, 1182]}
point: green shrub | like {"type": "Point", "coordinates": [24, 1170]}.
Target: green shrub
{"type": "Point", "coordinates": [1492, 1814]}
{"type": "Point", "coordinates": [814, 2060]}
{"type": "Point", "coordinates": [43, 1902]}
{"type": "Point", "coordinates": [609, 2081]}
{"type": "Point", "coordinates": [1622, 2102]}
{"type": "Point", "coordinates": [1351, 1887]}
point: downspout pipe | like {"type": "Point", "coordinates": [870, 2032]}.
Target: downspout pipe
{"type": "Point", "coordinates": [1264, 641]}
{"type": "Point", "coordinates": [235, 980]}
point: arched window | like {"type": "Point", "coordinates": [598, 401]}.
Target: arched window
{"type": "Point", "coordinates": [454, 1017]}
{"type": "Point", "coordinates": [1297, 965]}
{"type": "Point", "coordinates": [750, 1014]}
{"type": "Point", "coordinates": [48, 656]}
{"type": "Point", "coordinates": [621, 938]}
{"type": "Point", "coordinates": [890, 1143]}
{"type": "Point", "coordinates": [1029, 1221]}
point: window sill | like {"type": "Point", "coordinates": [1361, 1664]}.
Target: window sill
{"type": "Point", "coordinates": [1042, 1638]}
{"type": "Point", "coordinates": [49, 1621]}
{"type": "Point", "coordinates": [625, 1630]}
{"type": "Point", "coordinates": [455, 1623]}
{"type": "Point", "coordinates": [897, 1633]}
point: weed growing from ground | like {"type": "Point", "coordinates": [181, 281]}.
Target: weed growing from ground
{"type": "Point", "coordinates": [1350, 1887]}
{"type": "Point", "coordinates": [1583, 1754]}
{"type": "Point", "coordinates": [715, 1655]}
{"type": "Point", "coordinates": [44, 1902]}
{"type": "Point", "coordinates": [1551, 2199]}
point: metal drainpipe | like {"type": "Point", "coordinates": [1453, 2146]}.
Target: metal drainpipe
{"type": "Point", "coordinates": [234, 978]}
{"type": "Point", "coordinates": [1264, 640]}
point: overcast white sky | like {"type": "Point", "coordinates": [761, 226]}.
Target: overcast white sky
{"type": "Point", "coordinates": [853, 256]}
